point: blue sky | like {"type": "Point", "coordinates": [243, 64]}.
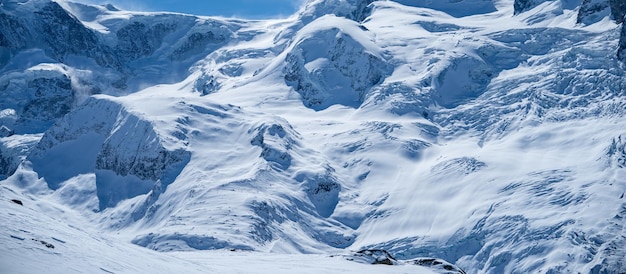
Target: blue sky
{"type": "Point", "coordinates": [255, 9]}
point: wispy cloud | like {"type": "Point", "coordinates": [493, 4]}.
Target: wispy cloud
{"type": "Point", "coordinates": [122, 4]}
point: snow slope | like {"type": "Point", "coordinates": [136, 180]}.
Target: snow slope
{"type": "Point", "coordinates": [483, 133]}
{"type": "Point", "coordinates": [42, 237]}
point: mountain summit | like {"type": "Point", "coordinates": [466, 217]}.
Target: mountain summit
{"type": "Point", "coordinates": [483, 135]}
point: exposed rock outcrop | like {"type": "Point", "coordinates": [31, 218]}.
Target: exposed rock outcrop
{"type": "Point", "coordinates": [329, 66]}
{"type": "Point", "coordinates": [277, 143]}
{"type": "Point", "coordinates": [356, 10]}
{"type": "Point", "coordinates": [520, 6]}
{"type": "Point", "coordinates": [5, 131]}
{"type": "Point", "coordinates": [65, 34]}
{"type": "Point", "coordinates": [137, 39]}
{"type": "Point", "coordinates": [382, 257]}
{"type": "Point", "coordinates": [618, 10]}
{"type": "Point", "coordinates": [592, 11]}
{"type": "Point", "coordinates": [37, 97]}
{"type": "Point", "coordinates": [621, 50]}
{"type": "Point", "coordinates": [617, 152]}
{"type": "Point", "coordinates": [13, 34]}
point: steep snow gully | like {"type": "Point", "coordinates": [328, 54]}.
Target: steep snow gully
{"type": "Point", "coordinates": [452, 136]}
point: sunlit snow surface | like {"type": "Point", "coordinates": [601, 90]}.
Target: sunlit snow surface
{"type": "Point", "coordinates": [488, 140]}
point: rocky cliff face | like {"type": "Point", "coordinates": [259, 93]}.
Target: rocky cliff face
{"type": "Point", "coordinates": [618, 10]}
{"type": "Point", "coordinates": [621, 51]}
{"type": "Point", "coordinates": [592, 11]}
{"type": "Point", "coordinates": [334, 66]}
{"type": "Point", "coordinates": [524, 5]}
{"type": "Point", "coordinates": [65, 35]}
{"type": "Point", "coordinates": [37, 97]}
{"type": "Point", "coordinates": [356, 10]}
{"type": "Point", "coordinates": [13, 35]}
{"type": "Point", "coordinates": [13, 151]}
{"type": "Point", "coordinates": [137, 40]}
{"type": "Point", "coordinates": [47, 32]}
{"type": "Point", "coordinates": [126, 154]}
{"type": "Point", "coordinates": [352, 125]}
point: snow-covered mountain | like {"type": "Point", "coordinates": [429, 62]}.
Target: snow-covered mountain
{"type": "Point", "coordinates": [482, 135]}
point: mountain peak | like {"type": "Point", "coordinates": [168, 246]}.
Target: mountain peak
{"type": "Point", "coordinates": [466, 134]}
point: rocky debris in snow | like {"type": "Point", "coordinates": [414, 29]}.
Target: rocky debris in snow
{"type": "Point", "coordinates": [16, 201]}
{"type": "Point", "coordinates": [617, 152]}
{"type": "Point", "coordinates": [375, 256]}
{"type": "Point", "coordinates": [46, 244]}
{"type": "Point", "coordinates": [442, 266]}
{"type": "Point", "coordinates": [18, 237]}
{"type": "Point", "coordinates": [383, 257]}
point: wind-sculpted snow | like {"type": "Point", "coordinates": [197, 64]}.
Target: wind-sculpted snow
{"type": "Point", "coordinates": [39, 96]}
{"type": "Point", "coordinates": [13, 151]}
{"type": "Point", "coordinates": [356, 10]}
{"type": "Point", "coordinates": [119, 45]}
{"type": "Point", "coordinates": [126, 154]}
{"type": "Point", "coordinates": [445, 136]}
{"type": "Point", "coordinates": [276, 144]}
{"type": "Point", "coordinates": [329, 65]}
{"type": "Point", "coordinates": [581, 83]}
{"type": "Point", "coordinates": [471, 77]}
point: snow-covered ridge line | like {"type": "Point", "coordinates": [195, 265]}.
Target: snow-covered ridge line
{"type": "Point", "coordinates": [476, 135]}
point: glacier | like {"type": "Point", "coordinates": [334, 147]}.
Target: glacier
{"type": "Point", "coordinates": [452, 136]}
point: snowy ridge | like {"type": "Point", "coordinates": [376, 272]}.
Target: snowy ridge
{"type": "Point", "coordinates": [472, 136]}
